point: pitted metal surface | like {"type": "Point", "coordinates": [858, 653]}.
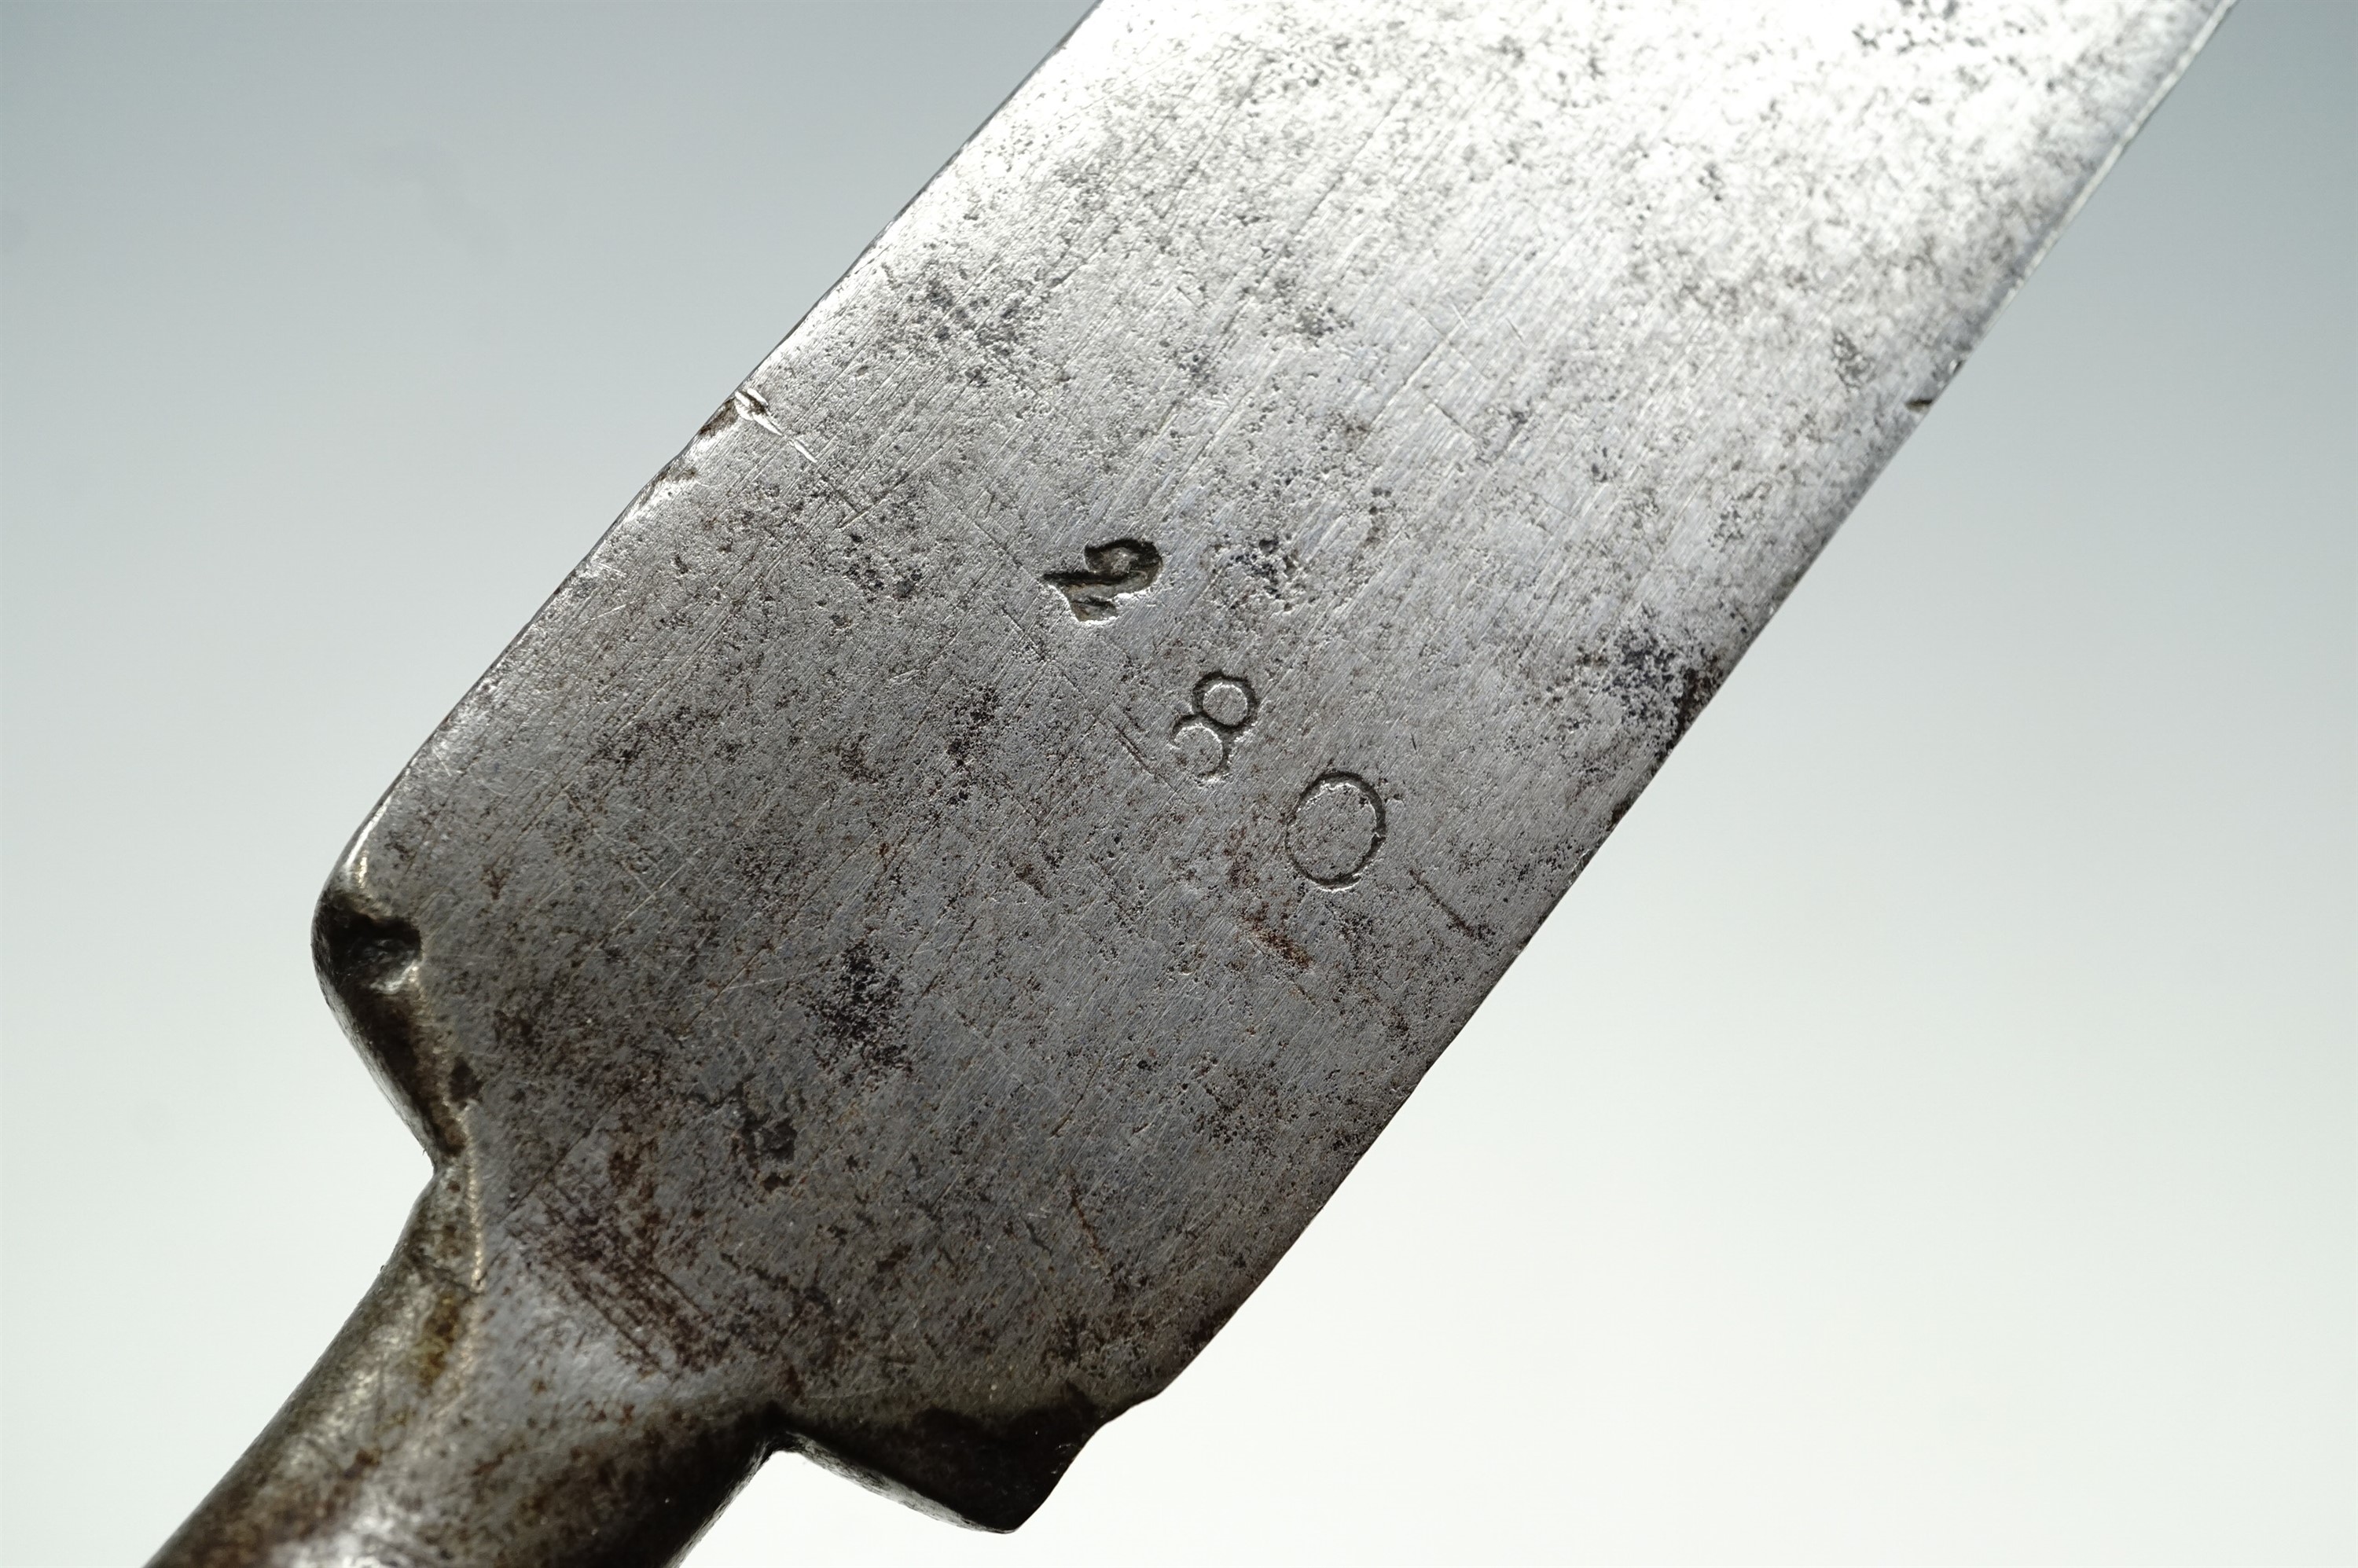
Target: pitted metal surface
{"type": "Point", "coordinates": [908, 935]}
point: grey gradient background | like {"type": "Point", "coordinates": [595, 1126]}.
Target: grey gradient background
{"type": "Point", "coordinates": [1925, 1135]}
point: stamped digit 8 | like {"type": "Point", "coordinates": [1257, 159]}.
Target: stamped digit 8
{"type": "Point", "coordinates": [1220, 709]}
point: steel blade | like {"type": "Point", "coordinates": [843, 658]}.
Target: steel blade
{"type": "Point", "coordinates": [1108, 697]}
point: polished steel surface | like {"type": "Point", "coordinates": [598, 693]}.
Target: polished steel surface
{"type": "Point", "coordinates": [905, 939]}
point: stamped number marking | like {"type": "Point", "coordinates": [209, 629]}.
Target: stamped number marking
{"type": "Point", "coordinates": [1337, 827]}
{"type": "Point", "coordinates": [1221, 708]}
{"type": "Point", "coordinates": [1125, 566]}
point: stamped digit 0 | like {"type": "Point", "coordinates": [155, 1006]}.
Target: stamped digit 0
{"type": "Point", "coordinates": [1336, 828]}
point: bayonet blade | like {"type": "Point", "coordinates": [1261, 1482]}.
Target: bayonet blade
{"type": "Point", "coordinates": [906, 938]}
